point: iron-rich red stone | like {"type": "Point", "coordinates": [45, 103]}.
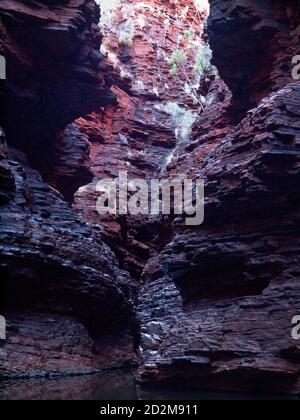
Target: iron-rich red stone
{"type": "Point", "coordinates": [65, 298]}
{"type": "Point", "coordinates": [215, 302]}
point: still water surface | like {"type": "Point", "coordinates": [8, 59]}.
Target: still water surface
{"type": "Point", "coordinates": [117, 385]}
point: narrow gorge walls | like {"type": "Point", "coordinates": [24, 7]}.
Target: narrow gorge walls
{"type": "Point", "coordinates": [66, 300]}
{"type": "Point", "coordinates": [158, 89]}
{"type": "Point", "coordinates": [157, 52]}
{"type": "Point", "coordinates": [217, 305]}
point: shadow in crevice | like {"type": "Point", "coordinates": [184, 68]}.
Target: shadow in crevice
{"type": "Point", "coordinates": [196, 288]}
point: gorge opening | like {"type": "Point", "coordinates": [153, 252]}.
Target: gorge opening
{"type": "Point", "coordinates": [156, 89]}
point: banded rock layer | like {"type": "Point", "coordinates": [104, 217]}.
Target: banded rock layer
{"type": "Point", "coordinates": [66, 301]}
{"type": "Point", "coordinates": [217, 303]}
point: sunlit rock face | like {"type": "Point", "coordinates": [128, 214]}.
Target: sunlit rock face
{"type": "Point", "coordinates": [218, 301]}
{"type": "Point", "coordinates": [215, 302]}
{"type": "Point", "coordinates": [154, 114]}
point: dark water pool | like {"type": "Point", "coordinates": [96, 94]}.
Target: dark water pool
{"type": "Point", "coordinates": [117, 385]}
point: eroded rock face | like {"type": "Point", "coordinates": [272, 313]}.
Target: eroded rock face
{"type": "Point", "coordinates": [231, 290]}
{"type": "Point", "coordinates": [223, 295]}
{"type": "Point", "coordinates": [70, 162]}
{"type": "Point", "coordinates": [215, 302]}
{"type": "Point", "coordinates": [53, 67]}
{"type": "Point", "coordinates": [253, 44]}
{"type": "Point", "coordinates": [139, 134]}
{"type": "Point", "coordinates": [53, 263]}
{"type": "Point", "coordinates": [50, 345]}
{"type": "Point", "coordinates": [66, 301]}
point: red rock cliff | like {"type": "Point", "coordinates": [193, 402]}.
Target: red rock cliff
{"type": "Point", "coordinates": [154, 108]}
{"type": "Point", "coordinates": [62, 291]}
{"type": "Point", "coordinates": [217, 304]}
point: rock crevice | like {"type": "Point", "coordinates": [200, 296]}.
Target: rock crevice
{"type": "Point", "coordinates": [209, 306]}
{"type": "Point", "coordinates": [69, 307]}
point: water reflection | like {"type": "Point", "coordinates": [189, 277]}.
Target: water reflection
{"type": "Point", "coordinates": [117, 385]}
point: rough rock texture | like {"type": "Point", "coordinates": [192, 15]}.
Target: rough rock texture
{"type": "Point", "coordinates": [139, 147]}
{"type": "Point", "coordinates": [54, 71]}
{"type": "Point", "coordinates": [70, 162]}
{"type": "Point", "coordinates": [217, 304]}
{"type": "Point", "coordinates": [223, 313]}
{"type": "Point", "coordinates": [68, 305]}
{"type": "Point", "coordinates": [53, 263]}
{"type": "Point", "coordinates": [48, 345]}
{"type": "Point", "coordinates": [137, 135]}
{"type": "Point", "coordinates": [261, 60]}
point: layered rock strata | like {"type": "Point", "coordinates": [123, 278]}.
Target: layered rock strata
{"type": "Point", "coordinates": [217, 304]}
{"type": "Point", "coordinates": [54, 71]}
{"type": "Point", "coordinates": [69, 307]}
{"type": "Point", "coordinates": [153, 117]}
{"type": "Point", "coordinates": [216, 301]}
{"type": "Point", "coordinates": [253, 45]}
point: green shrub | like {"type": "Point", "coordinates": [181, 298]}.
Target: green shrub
{"type": "Point", "coordinates": [203, 60]}
{"type": "Point", "coordinates": [189, 34]}
{"type": "Point", "coordinates": [178, 57]}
